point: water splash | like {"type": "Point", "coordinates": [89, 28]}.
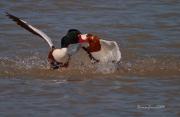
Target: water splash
{"type": "Point", "coordinates": [107, 68]}
{"type": "Point", "coordinates": [31, 62]}
{"type": "Point", "coordinates": [37, 66]}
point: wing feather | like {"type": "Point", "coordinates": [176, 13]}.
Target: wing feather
{"type": "Point", "coordinates": [109, 52]}
{"type": "Point", "coordinates": [31, 29]}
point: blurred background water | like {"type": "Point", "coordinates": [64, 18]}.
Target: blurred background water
{"type": "Point", "coordinates": [148, 75]}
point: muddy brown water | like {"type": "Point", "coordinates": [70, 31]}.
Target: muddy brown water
{"type": "Point", "coordinates": [145, 83]}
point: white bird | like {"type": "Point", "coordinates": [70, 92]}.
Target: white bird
{"type": "Point", "coordinates": [60, 56]}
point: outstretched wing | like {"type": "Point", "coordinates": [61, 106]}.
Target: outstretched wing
{"type": "Point", "coordinates": [31, 29]}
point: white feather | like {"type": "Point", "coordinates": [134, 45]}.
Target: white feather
{"type": "Point", "coordinates": [60, 55]}
{"type": "Point", "coordinates": [109, 52]}
{"type": "Point", "coordinates": [45, 37]}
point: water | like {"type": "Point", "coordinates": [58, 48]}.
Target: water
{"type": "Point", "coordinates": [144, 83]}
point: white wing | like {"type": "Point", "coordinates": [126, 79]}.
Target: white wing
{"type": "Point", "coordinates": [109, 52]}
{"type": "Point", "coordinates": [31, 29]}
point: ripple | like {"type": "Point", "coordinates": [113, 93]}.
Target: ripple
{"type": "Point", "coordinates": [168, 15]}
{"type": "Point", "coordinates": [129, 90]}
{"type": "Point", "coordinates": [141, 36]}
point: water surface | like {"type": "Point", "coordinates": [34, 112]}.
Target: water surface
{"type": "Point", "coordinates": [144, 83]}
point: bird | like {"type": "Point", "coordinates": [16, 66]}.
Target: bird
{"type": "Point", "coordinates": [97, 49]}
